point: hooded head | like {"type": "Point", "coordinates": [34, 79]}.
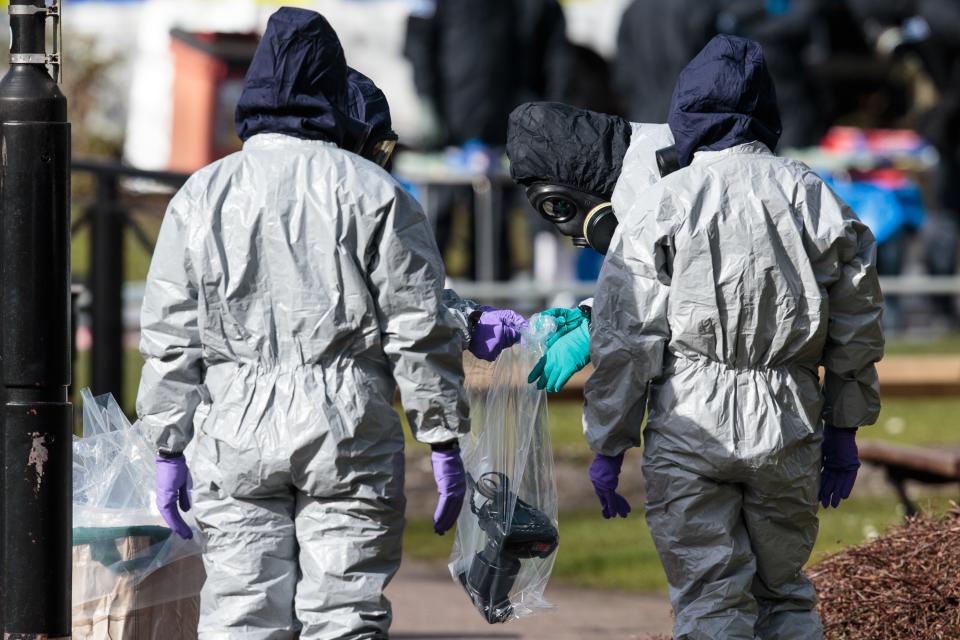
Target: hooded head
{"type": "Point", "coordinates": [369, 106]}
{"type": "Point", "coordinates": [723, 98]}
{"type": "Point", "coordinates": [366, 103]}
{"type": "Point", "coordinates": [557, 143]}
{"type": "Point", "coordinates": [569, 160]}
{"type": "Point", "coordinates": [299, 84]}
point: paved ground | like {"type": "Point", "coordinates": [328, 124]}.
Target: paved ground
{"type": "Point", "coordinates": [427, 605]}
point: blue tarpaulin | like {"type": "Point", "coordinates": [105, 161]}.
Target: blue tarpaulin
{"type": "Point", "coordinates": [886, 210]}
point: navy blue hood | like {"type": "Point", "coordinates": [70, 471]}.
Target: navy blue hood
{"type": "Point", "coordinates": [367, 104]}
{"type": "Point", "coordinates": [299, 84]}
{"type": "Point", "coordinates": [723, 98]}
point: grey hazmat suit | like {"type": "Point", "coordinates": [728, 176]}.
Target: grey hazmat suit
{"type": "Point", "coordinates": [639, 166]}
{"type": "Point", "coordinates": [460, 310]}
{"type": "Point", "coordinates": [293, 288]}
{"type": "Point", "coordinates": [640, 163]}
{"type": "Point", "coordinates": [728, 284]}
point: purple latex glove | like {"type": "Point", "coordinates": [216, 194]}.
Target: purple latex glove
{"type": "Point", "coordinates": [173, 485]}
{"type": "Point", "coordinates": [605, 475]}
{"type": "Point", "coordinates": [496, 330]}
{"type": "Point", "coordinates": [451, 479]}
{"type": "Point", "coordinates": [840, 463]}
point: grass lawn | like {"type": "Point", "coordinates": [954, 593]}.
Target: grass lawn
{"type": "Point", "coordinates": [939, 346]}
{"type": "Point", "coordinates": [919, 421]}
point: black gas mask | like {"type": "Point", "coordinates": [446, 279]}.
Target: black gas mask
{"type": "Point", "coordinates": [587, 218]}
{"type": "Point", "coordinates": [529, 533]}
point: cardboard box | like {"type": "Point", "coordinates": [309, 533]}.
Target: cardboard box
{"type": "Point", "coordinates": [120, 595]}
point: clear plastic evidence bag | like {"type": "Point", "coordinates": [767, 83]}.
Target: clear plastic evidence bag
{"type": "Point", "coordinates": [507, 534]}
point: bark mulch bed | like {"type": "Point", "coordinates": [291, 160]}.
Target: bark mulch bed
{"type": "Point", "coordinates": [905, 585]}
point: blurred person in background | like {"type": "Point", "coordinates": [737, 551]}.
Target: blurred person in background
{"type": "Point", "coordinates": [655, 41]}
{"type": "Point", "coordinates": [473, 62]}
{"type": "Point", "coordinates": [785, 29]}
{"type": "Point", "coordinates": [728, 284]}
{"type": "Point", "coordinates": [941, 126]}
{"type": "Point", "coordinates": [930, 29]}
{"type": "Point", "coordinates": [592, 83]}
{"type": "Point", "coordinates": [295, 286]}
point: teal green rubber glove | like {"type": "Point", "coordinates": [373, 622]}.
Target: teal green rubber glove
{"type": "Point", "coordinates": [568, 354]}
{"type": "Point", "coordinates": [567, 320]}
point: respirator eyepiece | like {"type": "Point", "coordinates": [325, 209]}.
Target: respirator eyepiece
{"type": "Point", "coordinates": [584, 217]}
{"type": "Point", "coordinates": [557, 208]}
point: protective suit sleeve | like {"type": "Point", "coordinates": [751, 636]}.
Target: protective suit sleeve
{"type": "Point", "coordinates": [629, 329]}
{"type": "Point", "coordinates": [420, 337]}
{"type": "Point", "coordinates": [460, 309]}
{"type": "Point", "coordinates": [173, 370]}
{"type": "Point", "coordinates": [854, 334]}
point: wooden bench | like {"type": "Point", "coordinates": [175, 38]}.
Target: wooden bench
{"type": "Point", "coordinates": [930, 465]}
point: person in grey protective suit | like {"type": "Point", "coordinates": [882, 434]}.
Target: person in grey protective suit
{"type": "Point", "coordinates": [546, 144]}
{"type": "Point", "coordinates": [727, 285]}
{"type": "Point", "coordinates": [293, 288]}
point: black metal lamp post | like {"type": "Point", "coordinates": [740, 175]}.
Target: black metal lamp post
{"type": "Point", "coordinates": [35, 417]}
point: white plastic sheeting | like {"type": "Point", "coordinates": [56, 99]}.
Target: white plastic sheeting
{"type": "Point", "coordinates": [132, 578]}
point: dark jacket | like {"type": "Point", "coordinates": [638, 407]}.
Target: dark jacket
{"type": "Point", "coordinates": [299, 84]}
{"type": "Point", "coordinates": [723, 98]}
{"type": "Point", "coordinates": [477, 60]}
{"type": "Point", "coordinates": [657, 38]}
{"type": "Point", "coordinates": [785, 36]}
{"type": "Point", "coordinates": [942, 125]}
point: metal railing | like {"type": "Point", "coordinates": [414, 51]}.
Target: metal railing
{"type": "Point", "coordinates": [108, 218]}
